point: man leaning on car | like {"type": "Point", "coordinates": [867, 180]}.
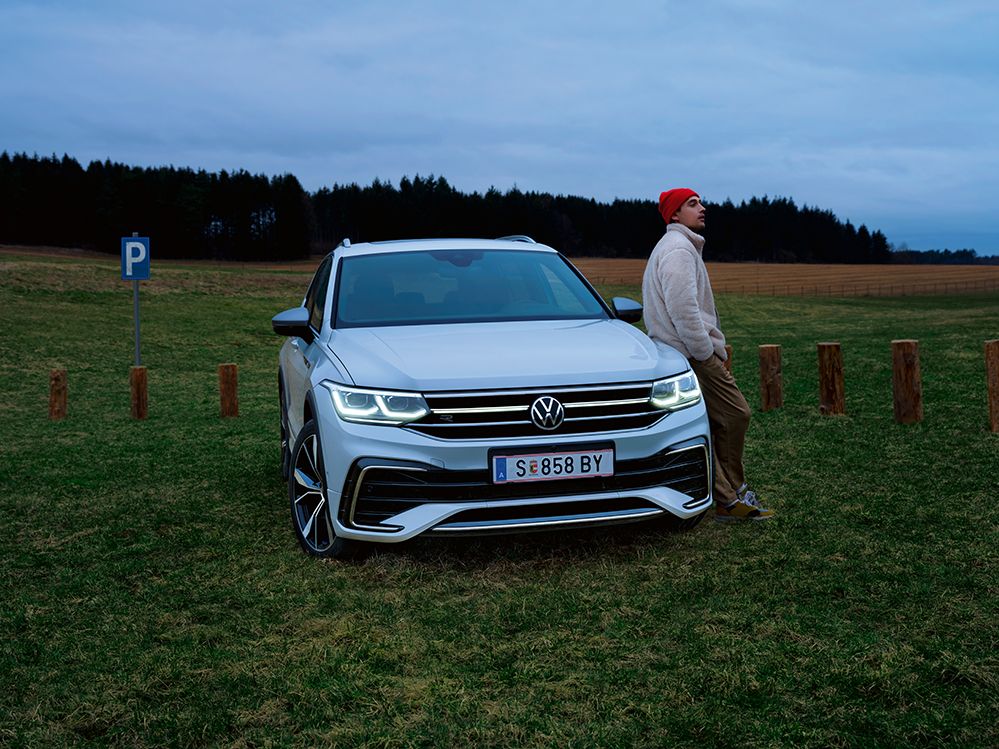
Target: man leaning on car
{"type": "Point", "coordinates": [680, 312]}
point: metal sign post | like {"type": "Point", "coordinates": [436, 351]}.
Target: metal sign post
{"type": "Point", "coordinates": [135, 268]}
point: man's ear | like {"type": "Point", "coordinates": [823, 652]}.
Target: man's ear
{"type": "Point", "coordinates": [676, 216]}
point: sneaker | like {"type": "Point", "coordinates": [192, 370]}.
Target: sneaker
{"type": "Point", "coordinates": [745, 507]}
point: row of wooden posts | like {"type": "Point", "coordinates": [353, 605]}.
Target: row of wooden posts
{"type": "Point", "coordinates": [907, 383]}
{"type": "Point", "coordinates": [228, 392]}
{"type": "Point", "coordinates": [907, 386]}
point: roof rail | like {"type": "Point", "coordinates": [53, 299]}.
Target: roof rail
{"type": "Point", "coordinates": [518, 238]}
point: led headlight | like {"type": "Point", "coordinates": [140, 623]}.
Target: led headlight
{"type": "Point", "coordinates": [377, 406]}
{"type": "Point", "coordinates": [675, 392]}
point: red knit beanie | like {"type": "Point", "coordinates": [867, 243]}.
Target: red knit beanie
{"type": "Point", "coordinates": [671, 200]}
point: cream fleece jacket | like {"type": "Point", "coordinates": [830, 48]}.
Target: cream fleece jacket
{"type": "Point", "coordinates": [676, 293]}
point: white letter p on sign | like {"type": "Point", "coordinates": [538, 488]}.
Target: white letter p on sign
{"type": "Point", "coordinates": [135, 252]}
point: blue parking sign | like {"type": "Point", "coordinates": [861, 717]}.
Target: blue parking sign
{"type": "Point", "coordinates": [134, 258]}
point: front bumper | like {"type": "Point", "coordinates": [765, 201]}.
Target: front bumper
{"type": "Point", "coordinates": [390, 484]}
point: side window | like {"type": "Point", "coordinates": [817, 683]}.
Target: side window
{"type": "Point", "coordinates": [310, 294]}
{"type": "Point", "coordinates": [316, 300]}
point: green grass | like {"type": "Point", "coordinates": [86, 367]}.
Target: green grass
{"type": "Point", "coordinates": [153, 593]}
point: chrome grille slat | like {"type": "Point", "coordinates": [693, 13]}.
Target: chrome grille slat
{"type": "Point", "coordinates": [598, 404]}
{"type": "Point", "coordinates": [538, 391]}
{"type": "Point", "coordinates": [611, 416]}
{"type": "Point", "coordinates": [480, 424]}
{"type": "Point", "coordinates": [487, 410]}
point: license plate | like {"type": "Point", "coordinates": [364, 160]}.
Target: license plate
{"type": "Point", "coordinates": [509, 469]}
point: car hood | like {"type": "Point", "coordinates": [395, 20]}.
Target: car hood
{"type": "Point", "coordinates": [478, 356]}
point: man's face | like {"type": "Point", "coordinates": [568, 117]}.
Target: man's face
{"type": "Point", "coordinates": [691, 213]}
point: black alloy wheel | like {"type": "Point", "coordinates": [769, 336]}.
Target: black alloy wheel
{"type": "Point", "coordinates": [310, 510]}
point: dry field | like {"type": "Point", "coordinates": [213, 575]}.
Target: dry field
{"type": "Point", "coordinates": [803, 279]}
{"type": "Point", "coordinates": [305, 266]}
{"type": "Point", "coordinates": [769, 279]}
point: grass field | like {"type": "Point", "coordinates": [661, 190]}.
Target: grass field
{"type": "Point", "coordinates": [153, 593]}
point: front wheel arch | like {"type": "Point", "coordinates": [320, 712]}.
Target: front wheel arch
{"type": "Point", "coordinates": [285, 433]}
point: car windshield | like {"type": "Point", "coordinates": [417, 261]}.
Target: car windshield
{"type": "Point", "coordinates": [458, 286]}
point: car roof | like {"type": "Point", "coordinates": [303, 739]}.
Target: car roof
{"type": "Point", "coordinates": [418, 245]}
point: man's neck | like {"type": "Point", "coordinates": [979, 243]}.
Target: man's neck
{"type": "Point", "coordinates": [696, 239]}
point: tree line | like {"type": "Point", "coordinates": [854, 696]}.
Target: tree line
{"type": "Point", "coordinates": [940, 257]}
{"type": "Point", "coordinates": [242, 216]}
{"type": "Point", "coordinates": [187, 213]}
{"type": "Point", "coordinates": [761, 229]}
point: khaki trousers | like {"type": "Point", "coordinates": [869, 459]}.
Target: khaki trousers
{"type": "Point", "coordinates": [728, 414]}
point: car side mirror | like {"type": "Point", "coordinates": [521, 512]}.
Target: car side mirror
{"type": "Point", "coordinates": [293, 322]}
{"type": "Point", "coordinates": [627, 309]}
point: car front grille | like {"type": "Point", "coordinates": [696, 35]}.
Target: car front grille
{"type": "Point", "coordinates": [377, 490]}
{"type": "Point", "coordinates": [507, 413]}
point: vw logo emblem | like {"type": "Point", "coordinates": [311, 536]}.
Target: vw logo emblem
{"type": "Point", "coordinates": [547, 413]}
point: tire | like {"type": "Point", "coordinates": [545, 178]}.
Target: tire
{"type": "Point", "coordinates": [310, 510]}
{"type": "Point", "coordinates": [673, 524]}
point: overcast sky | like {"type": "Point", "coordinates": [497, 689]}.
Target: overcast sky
{"type": "Point", "coordinates": [886, 113]}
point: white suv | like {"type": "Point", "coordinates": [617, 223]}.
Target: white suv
{"type": "Point", "coordinates": [469, 386]}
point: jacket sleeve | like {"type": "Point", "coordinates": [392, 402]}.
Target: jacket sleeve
{"type": "Point", "coordinates": [678, 277]}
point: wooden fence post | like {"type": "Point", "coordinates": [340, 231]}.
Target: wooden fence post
{"type": "Point", "coordinates": [728, 357]}
{"type": "Point", "coordinates": [831, 390]}
{"type": "Point", "coordinates": [992, 376]}
{"type": "Point", "coordinates": [771, 379]}
{"type": "Point", "coordinates": [140, 394]}
{"type": "Point", "coordinates": [57, 394]}
{"type": "Point", "coordinates": [907, 384]}
{"type": "Point", "coordinates": [229, 390]}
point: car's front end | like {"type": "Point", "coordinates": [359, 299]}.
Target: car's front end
{"type": "Point", "coordinates": [603, 447]}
